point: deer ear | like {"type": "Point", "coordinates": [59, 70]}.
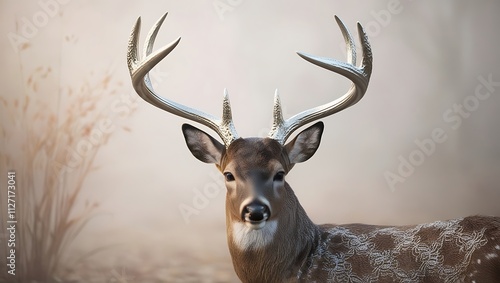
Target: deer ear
{"type": "Point", "coordinates": [305, 144]}
{"type": "Point", "coordinates": [204, 147]}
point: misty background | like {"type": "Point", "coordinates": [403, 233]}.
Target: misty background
{"type": "Point", "coordinates": [429, 59]}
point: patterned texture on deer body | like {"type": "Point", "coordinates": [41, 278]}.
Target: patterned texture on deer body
{"type": "Point", "coordinates": [443, 251]}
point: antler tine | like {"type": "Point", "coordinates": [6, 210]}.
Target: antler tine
{"type": "Point", "coordinates": [139, 72]}
{"type": "Point", "coordinates": [360, 77]}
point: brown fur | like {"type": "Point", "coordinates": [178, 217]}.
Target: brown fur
{"type": "Point", "coordinates": [284, 256]}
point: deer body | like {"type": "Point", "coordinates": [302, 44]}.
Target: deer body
{"type": "Point", "coordinates": [289, 247]}
{"type": "Point", "coordinates": [270, 236]}
{"type": "Point", "coordinates": [461, 250]}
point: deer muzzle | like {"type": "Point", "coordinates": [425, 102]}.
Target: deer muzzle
{"type": "Point", "coordinates": [256, 214]}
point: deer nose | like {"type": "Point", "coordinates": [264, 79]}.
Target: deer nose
{"type": "Point", "coordinates": [255, 212]}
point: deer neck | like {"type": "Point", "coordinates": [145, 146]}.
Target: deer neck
{"type": "Point", "coordinates": [276, 252]}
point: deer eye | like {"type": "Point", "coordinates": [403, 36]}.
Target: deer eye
{"type": "Point", "coordinates": [279, 177]}
{"type": "Point", "coordinates": [229, 176]}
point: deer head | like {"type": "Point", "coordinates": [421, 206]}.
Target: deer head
{"type": "Point", "coordinates": [254, 168]}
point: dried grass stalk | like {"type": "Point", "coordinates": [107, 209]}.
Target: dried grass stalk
{"type": "Point", "coordinates": [41, 143]}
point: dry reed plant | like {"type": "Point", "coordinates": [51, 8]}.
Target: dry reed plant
{"type": "Point", "coordinates": [51, 145]}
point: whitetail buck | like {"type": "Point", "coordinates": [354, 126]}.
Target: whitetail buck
{"type": "Point", "coordinates": [270, 236]}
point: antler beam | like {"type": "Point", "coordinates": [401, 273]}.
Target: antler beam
{"type": "Point", "coordinates": [360, 76]}
{"type": "Point", "coordinates": [139, 72]}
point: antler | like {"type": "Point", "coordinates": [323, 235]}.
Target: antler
{"type": "Point", "coordinates": [360, 76]}
{"type": "Point", "coordinates": [139, 72]}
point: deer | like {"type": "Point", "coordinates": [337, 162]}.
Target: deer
{"type": "Point", "coordinates": [269, 234]}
